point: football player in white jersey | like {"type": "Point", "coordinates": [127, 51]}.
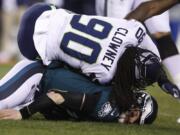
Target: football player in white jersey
{"type": "Point", "coordinates": [92, 44]}
{"type": "Point", "coordinates": [158, 26]}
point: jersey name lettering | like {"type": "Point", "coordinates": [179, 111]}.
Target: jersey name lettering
{"type": "Point", "coordinates": [112, 50]}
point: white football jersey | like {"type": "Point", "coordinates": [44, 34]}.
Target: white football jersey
{"type": "Point", "coordinates": [90, 43]}
{"type": "Point", "coordinates": [120, 8]}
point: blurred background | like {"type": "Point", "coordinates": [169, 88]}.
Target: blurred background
{"type": "Point", "coordinates": [12, 10]}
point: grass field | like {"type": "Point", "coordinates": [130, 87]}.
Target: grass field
{"type": "Point", "coordinates": [169, 111]}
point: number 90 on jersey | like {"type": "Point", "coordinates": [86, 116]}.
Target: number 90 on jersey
{"type": "Point", "coordinates": [81, 47]}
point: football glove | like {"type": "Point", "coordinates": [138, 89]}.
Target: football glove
{"type": "Point", "coordinates": [171, 88]}
{"type": "Point", "coordinates": [167, 85]}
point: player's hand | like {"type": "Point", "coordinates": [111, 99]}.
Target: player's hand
{"type": "Point", "coordinates": [171, 89]}
{"type": "Point", "coordinates": [10, 114]}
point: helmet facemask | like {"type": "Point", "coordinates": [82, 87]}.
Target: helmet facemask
{"type": "Point", "coordinates": [148, 107]}
{"type": "Point", "coordinates": [147, 67]}
{"type": "Point", "coordinates": [142, 112]}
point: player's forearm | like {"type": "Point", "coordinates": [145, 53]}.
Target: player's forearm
{"type": "Point", "coordinates": [148, 9]}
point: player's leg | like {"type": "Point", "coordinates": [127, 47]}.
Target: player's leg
{"type": "Point", "coordinates": [168, 51]}
{"type": "Point", "coordinates": [173, 66]}
{"type": "Point", "coordinates": [159, 28]}
{"type": "Point", "coordinates": [20, 83]}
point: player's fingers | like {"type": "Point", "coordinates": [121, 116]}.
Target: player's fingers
{"type": "Point", "coordinates": [7, 118]}
{"type": "Point", "coordinates": [3, 116]}
{"type": "Point", "coordinates": [11, 116]}
{"type": "Point", "coordinates": [6, 113]}
{"type": "Point", "coordinates": [3, 113]}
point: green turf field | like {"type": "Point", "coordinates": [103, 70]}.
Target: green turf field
{"type": "Point", "coordinates": [169, 111]}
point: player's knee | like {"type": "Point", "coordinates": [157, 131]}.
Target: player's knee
{"type": "Point", "coordinates": [57, 98]}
